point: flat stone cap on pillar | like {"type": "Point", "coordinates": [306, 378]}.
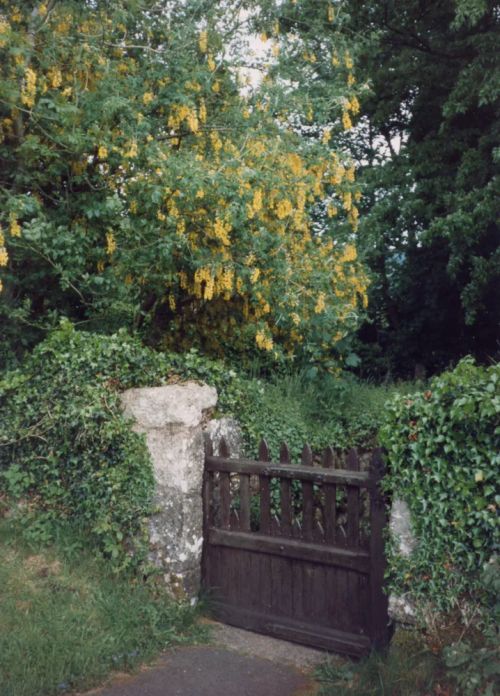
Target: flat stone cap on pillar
{"type": "Point", "coordinates": [173, 404]}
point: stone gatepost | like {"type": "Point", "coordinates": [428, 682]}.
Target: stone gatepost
{"type": "Point", "coordinates": [171, 418]}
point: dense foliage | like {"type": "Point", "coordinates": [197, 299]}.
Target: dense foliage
{"type": "Point", "coordinates": [443, 457]}
{"type": "Point", "coordinates": [426, 142]}
{"type": "Point", "coordinates": [66, 450]}
{"type": "Point", "coordinates": [144, 185]}
{"type": "Point", "coordinates": [430, 181]}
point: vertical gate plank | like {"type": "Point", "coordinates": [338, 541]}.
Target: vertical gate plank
{"type": "Point", "coordinates": [225, 489]}
{"type": "Point", "coordinates": [245, 502]}
{"type": "Point", "coordinates": [307, 498]}
{"type": "Point", "coordinates": [353, 503]}
{"type": "Point", "coordinates": [265, 492]}
{"type": "Point", "coordinates": [330, 517]}
{"type": "Point", "coordinates": [285, 496]}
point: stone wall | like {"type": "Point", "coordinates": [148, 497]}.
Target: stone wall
{"type": "Point", "coordinates": [172, 418]}
{"type": "Point", "coordinates": [401, 608]}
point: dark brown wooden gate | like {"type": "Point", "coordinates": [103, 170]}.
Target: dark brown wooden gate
{"type": "Point", "coordinates": [296, 551]}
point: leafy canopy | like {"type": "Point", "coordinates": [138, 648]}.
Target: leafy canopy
{"type": "Point", "coordinates": [143, 184]}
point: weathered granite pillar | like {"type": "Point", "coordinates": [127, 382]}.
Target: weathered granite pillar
{"type": "Point", "coordinates": [171, 418]}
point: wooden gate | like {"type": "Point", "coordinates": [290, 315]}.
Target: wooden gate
{"type": "Point", "coordinates": [296, 551]}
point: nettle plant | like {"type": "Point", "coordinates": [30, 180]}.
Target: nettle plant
{"type": "Point", "coordinates": [443, 459]}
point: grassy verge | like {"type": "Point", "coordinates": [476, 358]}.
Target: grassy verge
{"type": "Point", "coordinates": [409, 668]}
{"type": "Point", "coordinates": [66, 621]}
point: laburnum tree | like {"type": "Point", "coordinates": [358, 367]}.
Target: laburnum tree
{"type": "Point", "coordinates": [144, 184]}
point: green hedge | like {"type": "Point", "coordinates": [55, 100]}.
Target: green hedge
{"type": "Point", "coordinates": [66, 450]}
{"type": "Point", "coordinates": [443, 457]}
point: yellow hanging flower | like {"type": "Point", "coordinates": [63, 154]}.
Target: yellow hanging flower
{"type": "Point", "coordinates": [347, 200]}
{"type": "Point", "coordinates": [4, 256]}
{"type": "Point", "coordinates": [348, 61]}
{"type": "Point", "coordinates": [349, 254]}
{"type": "Point", "coordinates": [110, 243]}
{"type": "Point", "coordinates": [327, 134]}
{"type": "Point", "coordinates": [320, 303]}
{"type": "Point", "coordinates": [330, 13]}
{"type": "Point", "coordinates": [15, 227]}
{"type": "Point", "coordinates": [346, 120]}
{"type": "Point", "coordinates": [28, 91]}
{"type": "Point", "coordinates": [203, 111]}
{"type": "Point", "coordinates": [102, 152]}
{"type": "Point", "coordinates": [147, 98]}
{"type": "Point", "coordinates": [132, 150]}
{"type": "Point", "coordinates": [203, 41]}
{"type": "Point", "coordinates": [283, 209]}
{"type": "Point", "coordinates": [254, 276]}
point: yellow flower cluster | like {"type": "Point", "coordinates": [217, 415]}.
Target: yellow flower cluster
{"type": "Point", "coordinates": [4, 256]}
{"type": "Point", "coordinates": [330, 13]}
{"type": "Point", "coordinates": [346, 120]}
{"type": "Point", "coordinates": [263, 340]}
{"type": "Point", "coordinates": [203, 41]}
{"type": "Point", "coordinates": [55, 78]}
{"type": "Point", "coordinates": [320, 303]}
{"type": "Point", "coordinates": [254, 276]}
{"type": "Point", "coordinates": [110, 243]}
{"type": "Point", "coordinates": [131, 150]}
{"type": "Point", "coordinates": [221, 231]}
{"type": "Point", "coordinates": [180, 113]}
{"type": "Point", "coordinates": [256, 204]}
{"type": "Point", "coordinates": [15, 227]}
{"type": "Point", "coordinates": [147, 98]}
{"type": "Point", "coordinates": [349, 254]}
{"type": "Point", "coordinates": [102, 152]}
{"type": "Point", "coordinates": [284, 208]}
{"type": "Point", "coordinates": [28, 91]}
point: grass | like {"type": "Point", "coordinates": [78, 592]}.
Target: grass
{"type": "Point", "coordinates": [409, 668]}
{"type": "Point", "coordinates": [66, 621]}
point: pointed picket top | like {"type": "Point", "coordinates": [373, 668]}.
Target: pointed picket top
{"type": "Point", "coordinates": [223, 448]}
{"type": "Point", "coordinates": [284, 454]}
{"type": "Point", "coordinates": [209, 447]}
{"type": "Point", "coordinates": [307, 456]}
{"type": "Point", "coordinates": [263, 451]}
{"type": "Point", "coordinates": [328, 459]}
{"type": "Point", "coordinates": [353, 459]}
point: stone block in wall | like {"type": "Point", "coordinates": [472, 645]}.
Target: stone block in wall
{"type": "Point", "coordinates": [229, 429]}
{"type": "Point", "coordinates": [401, 609]}
{"type": "Point", "coordinates": [171, 419]}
